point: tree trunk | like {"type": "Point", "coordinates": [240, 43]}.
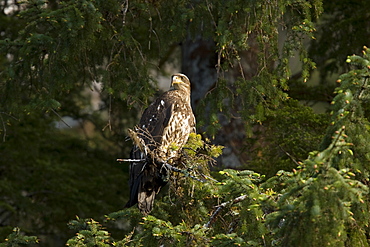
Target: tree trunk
{"type": "Point", "coordinates": [199, 61]}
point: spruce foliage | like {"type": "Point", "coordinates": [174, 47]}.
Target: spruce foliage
{"type": "Point", "coordinates": [301, 194]}
{"type": "Point", "coordinates": [322, 202]}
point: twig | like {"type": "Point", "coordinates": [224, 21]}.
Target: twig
{"type": "Point", "coordinates": [221, 206]}
{"type": "Point", "coordinates": [137, 136]}
{"type": "Point", "coordinates": [3, 123]}
{"type": "Point", "coordinates": [109, 115]}
{"type": "Point", "coordinates": [290, 156]}
{"type": "Point", "coordinates": [138, 141]}
{"type": "Point", "coordinates": [210, 178]}
{"type": "Point", "coordinates": [130, 160]}
{"type": "Point", "coordinates": [4, 127]}
{"type": "Point", "coordinates": [61, 119]}
{"type": "Point", "coordinates": [168, 166]}
{"type": "Point", "coordinates": [124, 11]}
{"type": "Point", "coordinates": [363, 87]}
{"type": "Point", "coordinates": [172, 168]}
{"type": "Point", "coordinates": [9, 115]}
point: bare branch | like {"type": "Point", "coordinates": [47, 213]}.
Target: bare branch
{"type": "Point", "coordinates": [3, 123]}
{"type": "Point", "coordinates": [221, 206]}
{"type": "Point", "coordinates": [4, 127]}
{"type": "Point", "coordinates": [168, 166]}
{"type": "Point", "coordinates": [290, 156]}
{"type": "Point", "coordinates": [124, 6]}
{"type": "Point", "coordinates": [130, 160]}
{"type": "Point", "coordinates": [109, 115]}
{"type": "Point", "coordinates": [60, 117]}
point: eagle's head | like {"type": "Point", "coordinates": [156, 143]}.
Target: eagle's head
{"type": "Point", "coordinates": [180, 82]}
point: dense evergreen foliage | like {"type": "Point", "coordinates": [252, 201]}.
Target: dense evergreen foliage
{"type": "Point", "coordinates": [305, 178]}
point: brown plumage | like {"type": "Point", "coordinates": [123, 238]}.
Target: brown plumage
{"type": "Point", "coordinates": [163, 130]}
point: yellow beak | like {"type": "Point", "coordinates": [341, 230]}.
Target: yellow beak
{"type": "Point", "coordinates": [175, 81]}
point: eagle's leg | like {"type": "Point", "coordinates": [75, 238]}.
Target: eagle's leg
{"type": "Point", "coordinates": [164, 174]}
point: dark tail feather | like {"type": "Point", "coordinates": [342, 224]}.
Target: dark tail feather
{"type": "Point", "coordinates": [143, 188]}
{"type": "Point", "coordinates": [147, 190]}
{"type": "Point", "coordinates": [146, 179]}
{"type": "Point", "coordinates": [134, 190]}
{"type": "Point", "coordinates": [136, 175]}
{"type": "Point", "coordinates": [152, 181]}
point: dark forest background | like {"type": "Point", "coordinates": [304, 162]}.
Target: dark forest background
{"type": "Point", "coordinates": [273, 82]}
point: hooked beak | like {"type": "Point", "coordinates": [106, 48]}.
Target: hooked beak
{"type": "Point", "coordinates": [176, 80]}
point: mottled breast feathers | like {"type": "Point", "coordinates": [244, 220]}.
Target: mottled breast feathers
{"type": "Point", "coordinates": [169, 121]}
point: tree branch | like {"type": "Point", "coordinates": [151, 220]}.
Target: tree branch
{"type": "Point", "coordinates": [168, 166]}
{"type": "Point", "coordinates": [3, 123]}
{"type": "Point", "coordinates": [124, 7]}
{"type": "Point", "coordinates": [221, 206]}
{"type": "Point", "coordinates": [60, 117]}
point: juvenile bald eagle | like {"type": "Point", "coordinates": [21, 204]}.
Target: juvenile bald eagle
{"type": "Point", "coordinates": [163, 130]}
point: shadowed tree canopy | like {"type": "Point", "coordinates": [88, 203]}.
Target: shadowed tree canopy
{"type": "Point", "coordinates": [75, 75]}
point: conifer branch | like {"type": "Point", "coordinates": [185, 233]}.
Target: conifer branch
{"type": "Point", "coordinates": [222, 206]}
